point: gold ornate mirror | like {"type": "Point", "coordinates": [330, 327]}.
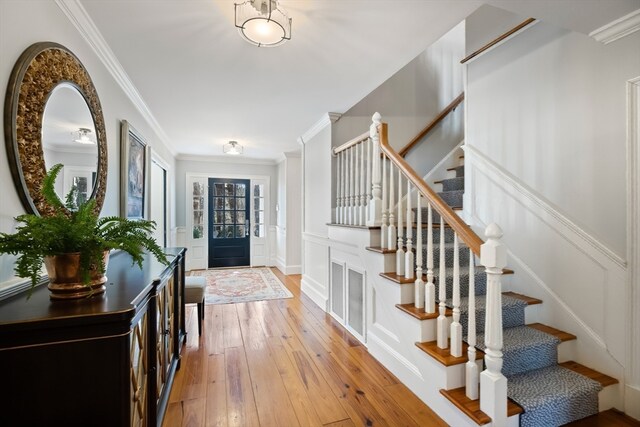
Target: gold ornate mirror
{"type": "Point", "coordinates": [53, 115]}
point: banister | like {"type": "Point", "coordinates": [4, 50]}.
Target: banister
{"type": "Point", "coordinates": [499, 39]}
{"type": "Point", "coordinates": [465, 232]}
{"type": "Point", "coordinates": [357, 140]}
{"type": "Point", "coordinates": [444, 113]}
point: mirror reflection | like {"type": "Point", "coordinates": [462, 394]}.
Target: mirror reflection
{"type": "Point", "coordinates": [69, 137]}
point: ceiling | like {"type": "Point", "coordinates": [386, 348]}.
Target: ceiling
{"type": "Point", "coordinates": [205, 85]}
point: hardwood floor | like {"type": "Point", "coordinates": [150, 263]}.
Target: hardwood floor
{"type": "Point", "coordinates": [284, 363]}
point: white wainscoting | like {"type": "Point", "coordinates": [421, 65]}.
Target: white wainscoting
{"type": "Point", "coordinates": [580, 280]}
{"type": "Point", "coordinates": [315, 279]}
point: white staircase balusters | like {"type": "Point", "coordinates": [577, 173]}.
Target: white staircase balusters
{"type": "Point", "coordinates": [356, 185]}
{"type": "Point", "coordinates": [393, 239]}
{"type": "Point", "coordinates": [419, 284]}
{"type": "Point", "coordinates": [456, 327]}
{"type": "Point", "coordinates": [493, 384]}
{"type": "Point", "coordinates": [344, 187]}
{"type": "Point", "coordinates": [430, 288]}
{"type": "Point", "coordinates": [385, 243]}
{"type": "Point", "coordinates": [352, 187]}
{"type": "Point", "coordinates": [442, 323]}
{"type": "Point", "coordinates": [367, 184]}
{"type": "Point", "coordinates": [408, 256]}
{"type": "Point", "coordinates": [375, 207]}
{"type": "Point", "coordinates": [400, 253]}
{"type": "Point", "coordinates": [338, 189]}
{"type": "Point", "coordinates": [471, 368]}
{"type": "Point", "coordinates": [363, 177]}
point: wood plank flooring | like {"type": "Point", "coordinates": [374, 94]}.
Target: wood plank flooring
{"type": "Point", "coordinates": [284, 363]}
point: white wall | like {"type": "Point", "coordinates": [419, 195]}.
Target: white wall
{"type": "Point", "coordinates": [545, 159]}
{"type": "Point", "coordinates": [317, 214]}
{"type": "Point", "coordinates": [23, 23]}
{"type": "Point", "coordinates": [289, 223]}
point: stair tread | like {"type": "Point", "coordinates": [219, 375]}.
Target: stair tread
{"type": "Point", "coordinates": [449, 179]}
{"type": "Point", "coordinates": [556, 387]}
{"type": "Point", "coordinates": [401, 280]}
{"type": "Point", "coordinates": [361, 227]}
{"type": "Point", "coordinates": [454, 168]}
{"type": "Point", "coordinates": [443, 355]}
{"type": "Point", "coordinates": [471, 408]}
{"type": "Point", "coordinates": [379, 250]}
{"type": "Point", "coordinates": [610, 417]}
{"type": "Point", "coordinates": [603, 379]}
{"type": "Point", "coordinates": [561, 335]}
{"type": "Point", "coordinates": [419, 313]}
{"type": "Point", "coordinates": [528, 300]}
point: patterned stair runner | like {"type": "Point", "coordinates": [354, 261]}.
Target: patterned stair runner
{"type": "Point", "coordinates": [551, 395]}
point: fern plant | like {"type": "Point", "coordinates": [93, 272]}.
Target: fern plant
{"type": "Point", "coordinates": [75, 228]}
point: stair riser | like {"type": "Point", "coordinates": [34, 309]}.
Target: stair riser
{"type": "Point", "coordinates": [453, 184]}
{"type": "Point", "coordinates": [452, 198]}
{"type": "Point", "coordinates": [459, 171]}
{"type": "Point", "coordinates": [480, 283]}
{"type": "Point", "coordinates": [511, 316]}
{"type": "Point", "coordinates": [463, 254]}
{"type": "Point", "coordinates": [517, 362]}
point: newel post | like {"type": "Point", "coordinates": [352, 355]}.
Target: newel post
{"type": "Point", "coordinates": [493, 385]}
{"type": "Point", "coordinates": [375, 208]}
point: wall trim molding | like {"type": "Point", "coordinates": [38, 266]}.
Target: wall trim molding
{"type": "Point", "coordinates": [310, 287]}
{"type": "Point", "coordinates": [617, 29]}
{"type": "Point", "coordinates": [633, 227]}
{"type": "Point", "coordinates": [568, 229]}
{"type": "Point", "coordinates": [317, 127]}
{"type": "Point", "coordinates": [79, 17]}
{"type": "Point", "coordinates": [379, 343]}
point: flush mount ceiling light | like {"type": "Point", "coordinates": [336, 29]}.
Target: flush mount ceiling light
{"type": "Point", "coordinates": [82, 136]}
{"type": "Point", "coordinates": [262, 22]}
{"type": "Point", "coordinates": [232, 148]}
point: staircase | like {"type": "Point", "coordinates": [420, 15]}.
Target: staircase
{"type": "Point", "coordinates": [476, 324]}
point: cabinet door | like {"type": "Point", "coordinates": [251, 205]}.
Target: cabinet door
{"type": "Point", "coordinates": [139, 365]}
{"type": "Point", "coordinates": [161, 340]}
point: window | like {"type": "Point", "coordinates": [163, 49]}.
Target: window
{"type": "Point", "coordinates": [229, 216]}
{"type": "Point", "coordinates": [198, 210]}
{"type": "Point", "coordinates": [258, 210]}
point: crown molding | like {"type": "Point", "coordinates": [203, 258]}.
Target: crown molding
{"type": "Point", "coordinates": [618, 29]}
{"type": "Point", "coordinates": [79, 17]}
{"type": "Point", "coordinates": [324, 121]}
{"type": "Point", "coordinates": [226, 159]}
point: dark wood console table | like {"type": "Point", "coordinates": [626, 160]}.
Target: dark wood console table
{"type": "Point", "coordinates": [107, 361]}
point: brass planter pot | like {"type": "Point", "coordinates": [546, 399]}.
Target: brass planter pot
{"type": "Point", "coordinates": [65, 281]}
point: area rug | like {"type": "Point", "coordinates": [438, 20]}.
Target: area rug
{"type": "Point", "coordinates": [227, 286]}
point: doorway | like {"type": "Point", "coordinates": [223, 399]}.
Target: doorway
{"type": "Point", "coordinates": [158, 211]}
{"type": "Point", "coordinates": [229, 234]}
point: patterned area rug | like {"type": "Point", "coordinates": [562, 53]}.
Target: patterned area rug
{"type": "Point", "coordinates": [242, 285]}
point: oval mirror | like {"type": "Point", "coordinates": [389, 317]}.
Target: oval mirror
{"type": "Point", "coordinates": [69, 137]}
{"type": "Point", "coordinates": [53, 115]}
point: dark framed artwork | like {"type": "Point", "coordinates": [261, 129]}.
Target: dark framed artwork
{"type": "Point", "coordinates": [134, 157]}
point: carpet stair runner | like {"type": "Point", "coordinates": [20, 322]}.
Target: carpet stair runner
{"type": "Point", "coordinates": [549, 393]}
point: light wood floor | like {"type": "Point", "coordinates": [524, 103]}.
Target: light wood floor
{"type": "Point", "coordinates": [284, 363]}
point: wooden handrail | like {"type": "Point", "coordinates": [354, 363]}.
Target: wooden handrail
{"type": "Point", "coordinates": [499, 39]}
{"type": "Point", "coordinates": [465, 232]}
{"type": "Point", "coordinates": [444, 113]}
{"type": "Point", "coordinates": [357, 140]}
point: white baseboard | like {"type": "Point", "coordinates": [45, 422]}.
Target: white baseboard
{"type": "Point", "coordinates": [376, 346]}
{"type": "Point", "coordinates": [312, 289]}
{"type": "Point", "coordinates": [293, 269]}
{"type": "Point", "coordinates": [631, 399]}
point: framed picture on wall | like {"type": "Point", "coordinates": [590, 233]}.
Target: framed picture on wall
{"type": "Point", "coordinates": [134, 157]}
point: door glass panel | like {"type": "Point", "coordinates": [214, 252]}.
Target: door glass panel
{"type": "Point", "coordinates": [239, 231]}
{"type": "Point", "coordinates": [218, 189]}
{"type": "Point", "coordinates": [259, 217]}
{"type": "Point", "coordinates": [229, 217]}
{"type": "Point", "coordinates": [218, 203]}
{"type": "Point", "coordinates": [218, 231]}
{"type": "Point", "coordinates": [258, 230]}
{"type": "Point", "coordinates": [240, 204]}
{"type": "Point", "coordinates": [229, 203]}
{"type": "Point", "coordinates": [228, 189]}
{"type": "Point", "coordinates": [240, 190]}
{"type": "Point", "coordinates": [229, 231]}
{"type": "Point", "coordinates": [240, 217]}
{"type": "Point", "coordinates": [218, 217]}
{"type": "Point", "coordinates": [258, 190]}
{"type": "Point", "coordinates": [198, 210]}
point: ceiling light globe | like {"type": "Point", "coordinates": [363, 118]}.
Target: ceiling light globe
{"type": "Point", "coordinates": [263, 31]}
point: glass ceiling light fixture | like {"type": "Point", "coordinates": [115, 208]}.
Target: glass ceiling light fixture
{"type": "Point", "coordinates": [232, 148]}
{"type": "Point", "coordinates": [82, 136]}
{"type": "Point", "coordinates": [262, 22]}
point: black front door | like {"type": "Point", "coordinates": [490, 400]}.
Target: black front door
{"type": "Point", "coordinates": [228, 222]}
